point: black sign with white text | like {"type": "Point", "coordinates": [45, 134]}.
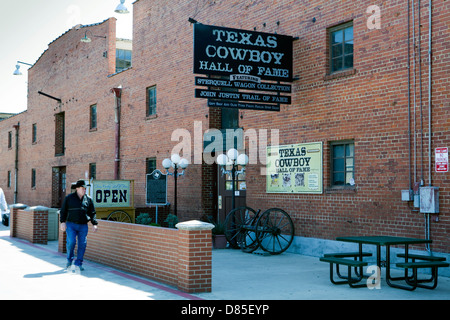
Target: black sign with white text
{"type": "Point", "coordinates": [227, 52]}
{"type": "Point", "coordinates": [247, 85]}
{"type": "Point", "coordinates": [243, 105]}
{"type": "Point", "coordinates": [242, 96]}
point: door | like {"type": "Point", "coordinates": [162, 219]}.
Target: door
{"type": "Point", "coordinates": [58, 186]}
{"type": "Point", "coordinates": [225, 193]}
{"type": "Point", "coordinates": [230, 120]}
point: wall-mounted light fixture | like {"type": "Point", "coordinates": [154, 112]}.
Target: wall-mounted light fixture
{"type": "Point", "coordinates": [17, 71]}
{"type": "Point", "coordinates": [87, 39]}
{"type": "Point", "coordinates": [121, 8]}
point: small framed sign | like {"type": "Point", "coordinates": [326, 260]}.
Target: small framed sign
{"type": "Point", "coordinates": [156, 188]}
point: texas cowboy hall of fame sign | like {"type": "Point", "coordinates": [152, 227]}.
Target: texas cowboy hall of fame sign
{"type": "Point", "coordinates": [236, 62]}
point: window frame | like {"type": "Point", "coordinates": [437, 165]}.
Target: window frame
{"type": "Point", "coordinates": [34, 133]}
{"type": "Point", "coordinates": [9, 139]}
{"type": "Point", "coordinates": [345, 171]}
{"type": "Point", "coordinates": [8, 179]}
{"type": "Point", "coordinates": [60, 134]}
{"type": "Point", "coordinates": [149, 164]}
{"type": "Point", "coordinates": [92, 125]}
{"type": "Point", "coordinates": [33, 178]}
{"type": "Point", "coordinates": [93, 170]}
{"type": "Point", "coordinates": [331, 31]}
{"type": "Point", "coordinates": [151, 101]}
{"type": "Point", "coordinates": [122, 63]}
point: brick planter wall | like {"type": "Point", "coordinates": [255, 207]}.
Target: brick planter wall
{"type": "Point", "coordinates": [30, 224]}
{"type": "Point", "coordinates": [179, 257]}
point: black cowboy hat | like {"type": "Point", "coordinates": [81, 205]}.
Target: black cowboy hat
{"type": "Point", "coordinates": [79, 183]}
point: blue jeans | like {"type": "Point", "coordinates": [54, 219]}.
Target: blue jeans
{"type": "Point", "coordinates": [76, 231]}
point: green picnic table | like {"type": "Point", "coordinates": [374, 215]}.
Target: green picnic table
{"type": "Point", "coordinates": [388, 241]}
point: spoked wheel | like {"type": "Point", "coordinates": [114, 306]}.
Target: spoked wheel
{"type": "Point", "coordinates": [236, 224]}
{"type": "Point", "coordinates": [247, 239]}
{"type": "Point", "coordinates": [119, 216]}
{"type": "Point", "coordinates": [275, 231]}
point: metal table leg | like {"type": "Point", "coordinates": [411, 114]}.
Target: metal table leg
{"type": "Point", "coordinates": [388, 271]}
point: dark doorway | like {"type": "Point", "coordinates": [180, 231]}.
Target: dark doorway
{"type": "Point", "coordinates": [58, 186]}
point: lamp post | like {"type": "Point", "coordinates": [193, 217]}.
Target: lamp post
{"type": "Point", "coordinates": [233, 159]}
{"type": "Point", "coordinates": [175, 162]}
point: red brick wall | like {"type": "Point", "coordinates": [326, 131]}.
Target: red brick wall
{"type": "Point", "coordinates": [368, 105]}
{"type": "Point", "coordinates": [31, 225]}
{"type": "Point", "coordinates": [21, 224]}
{"type": "Point", "coordinates": [181, 258]}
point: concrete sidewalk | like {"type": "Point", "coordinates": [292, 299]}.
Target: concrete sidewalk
{"type": "Point", "coordinates": [33, 271]}
{"type": "Point", "coordinates": [29, 271]}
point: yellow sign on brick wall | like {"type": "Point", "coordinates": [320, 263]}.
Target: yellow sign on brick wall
{"type": "Point", "coordinates": [294, 168]}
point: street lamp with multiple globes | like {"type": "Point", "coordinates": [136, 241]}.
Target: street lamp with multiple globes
{"type": "Point", "coordinates": [233, 159]}
{"type": "Point", "coordinates": [175, 162]}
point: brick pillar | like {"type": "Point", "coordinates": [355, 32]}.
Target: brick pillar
{"type": "Point", "coordinates": [194, 256]}
{"type": "Point", "coordinates": [29, 223]}
{"type": "Point", "coordinates": [13, 209]}
{"type": "Point", "coordinates": [40, 224]}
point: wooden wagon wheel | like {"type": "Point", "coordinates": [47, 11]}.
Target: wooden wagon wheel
{"type": "Point", "coordinates": [237, 229]}
{"type": "Point", "coordinates": [119, 216]}
{"type": "Point", "coordinates": [275, 231]}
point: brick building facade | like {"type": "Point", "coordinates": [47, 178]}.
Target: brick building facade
{"type": "Point", "coordinates": [375, 104]}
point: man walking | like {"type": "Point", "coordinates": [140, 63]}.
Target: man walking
{"type": "Point", "coordinates": [77, 210]}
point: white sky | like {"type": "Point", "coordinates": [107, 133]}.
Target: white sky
{"type": "Point", "coordinates": [28, 26]}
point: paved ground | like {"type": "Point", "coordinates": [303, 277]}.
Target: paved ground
{"type": "Point", "coordinates": [29, 271]}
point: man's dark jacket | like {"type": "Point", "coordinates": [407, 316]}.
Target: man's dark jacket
{"type": "Point", "coordinates": [78, 210]}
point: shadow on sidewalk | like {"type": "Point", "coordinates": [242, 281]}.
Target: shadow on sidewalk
{"type": "Point", "coordinates": [94, 271]}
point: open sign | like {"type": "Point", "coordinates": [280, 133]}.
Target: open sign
{"type": "Point", "coordinates": [112, 193]}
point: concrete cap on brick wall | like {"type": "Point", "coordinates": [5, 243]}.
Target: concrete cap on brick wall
{"type": "Point", "coordinates": [18, 206]}
{"type": "Point", "coordinates": [194, 225]}
{"type": "Point", "coordinates": [37, 208]}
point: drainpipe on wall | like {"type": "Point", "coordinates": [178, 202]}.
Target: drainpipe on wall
{"type": "Point", "coordinates": [411, 196]}
{"type": "Point", "coordinates": [427, 216]}
{"type": "Point", "coordinates": [118, 101]}
{"type": "Point", "coordinates": [429, 89]}
{"type": "Point", "coordinates": [16, 163]}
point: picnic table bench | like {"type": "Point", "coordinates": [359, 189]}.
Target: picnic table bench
{"type": "Point", "coordinates": [413, 281]}
{"type": "Point", "coordinates": [352, 282]}
{"type": "Point", "coordinates": [354, 255]}
{"type": "Point", "coordinates": [413, 257]}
